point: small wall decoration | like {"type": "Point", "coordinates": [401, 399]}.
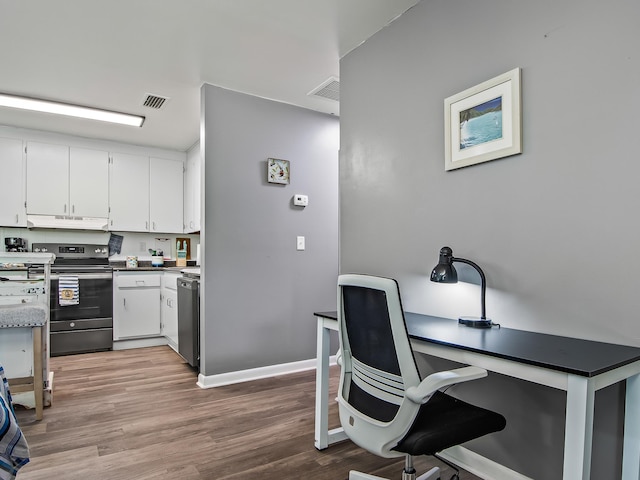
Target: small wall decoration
{"type": "Point", "coordinates": [278, 171]}
{"type": "Point", "coordinates": [483, 123]}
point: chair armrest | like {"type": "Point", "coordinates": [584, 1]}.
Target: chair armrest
{"type": "Point", "coordinates": [435, 381]}
{"type": "Point", "coordinates": [339, 357]}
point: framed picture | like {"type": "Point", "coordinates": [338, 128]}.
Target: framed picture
{"type": "Point", "coordinates": [483, 123]}
{"type": "Point", "coordinates": [278, 171]}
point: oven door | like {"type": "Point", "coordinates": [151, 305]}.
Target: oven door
{"type": "Point", "coordinates": [95, 297]}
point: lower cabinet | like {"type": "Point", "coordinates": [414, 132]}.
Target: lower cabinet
{"type": "Point", "coordinates": [169, 308]}
{"type": "Point", "coordinates": [136, 305]}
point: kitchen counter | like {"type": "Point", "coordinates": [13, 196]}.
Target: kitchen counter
{"type": "Point", "coordinates": [145, 265]}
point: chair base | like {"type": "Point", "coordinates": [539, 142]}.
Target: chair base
{"type": "Point", "coordinates": [433, 474]}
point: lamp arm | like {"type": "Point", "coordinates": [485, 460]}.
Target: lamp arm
{"type": "Point", "coordinates": [483, 281]}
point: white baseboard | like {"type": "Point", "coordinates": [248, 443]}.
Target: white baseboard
{"type": "Point", "coordinates": [139, 343]}
{"type": "Point", "coordinates": [220, 379]}
{"type": "Point", "coordinates": [479, 465]}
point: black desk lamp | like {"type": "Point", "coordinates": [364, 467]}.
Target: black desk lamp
{"type": "Point", "coordinates": [445, 272]}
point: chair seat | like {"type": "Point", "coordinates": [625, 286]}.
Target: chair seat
{"type": "Point", "coordinates": [445, 421]}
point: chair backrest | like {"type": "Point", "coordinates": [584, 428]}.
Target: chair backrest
{"type": "Point", "coordinates": [377, 363]}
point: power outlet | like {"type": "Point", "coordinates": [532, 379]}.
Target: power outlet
{"type": "Point", "coordinates": [143, 246]}
{"type": "Point", "coordinates": [300, 243]}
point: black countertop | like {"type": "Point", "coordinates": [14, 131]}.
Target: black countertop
{"type": "Point", "coordinates": [145, 266]}
{"type": "Point", "coordinates": [586, 358]}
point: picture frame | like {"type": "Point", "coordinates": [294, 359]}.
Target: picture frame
{"type": "Point", "coordinates": [278, 171]}
{"type": "Point", "coordinates": [484, 122]}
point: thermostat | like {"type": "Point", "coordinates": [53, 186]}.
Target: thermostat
{"type": "Point", "coordinates": [300, 200]}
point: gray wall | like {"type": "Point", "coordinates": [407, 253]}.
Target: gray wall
{"type": "Point", "coordinates": [259, 291]}
{"type": "Point", "coordinates": [554, 228]}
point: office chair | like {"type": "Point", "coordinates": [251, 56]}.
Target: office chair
{"type": "Point", "coordinates": [385, 407]}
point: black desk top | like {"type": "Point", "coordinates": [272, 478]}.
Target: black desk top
{"type": "Point", "coordinates": [586, 358]}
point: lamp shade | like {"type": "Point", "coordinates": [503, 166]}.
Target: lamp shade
{"type": "Point", "coordinates": [444, 271]}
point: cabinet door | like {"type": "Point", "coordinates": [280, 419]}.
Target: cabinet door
{"type": "Point", "coordinates": [136, 306]}
{"type": "Point", "coordinates": [12, 196]}
{"type": "Point", "coordinates": [47, 179]}
{"type": "Point", "coordinates": [192, 191]}
{"type": "Point", "coordinates": [88, 182]}
{"type": "Point", "coordinates": [165, 195]}
{"type": "Point", "coordinates": [129, 193]}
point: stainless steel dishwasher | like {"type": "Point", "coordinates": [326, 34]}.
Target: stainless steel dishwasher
{"type": "Point", "coordinates": [189, 319]}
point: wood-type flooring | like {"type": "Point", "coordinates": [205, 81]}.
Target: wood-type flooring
{"type": "Point", "coordinates": [139, 415]}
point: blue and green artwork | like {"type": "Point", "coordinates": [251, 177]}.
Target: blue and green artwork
{"type": "Point", "coordinates": [481, 124]}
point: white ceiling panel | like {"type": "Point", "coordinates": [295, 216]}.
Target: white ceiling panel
{"type": "Point", "coordinates": [112, 54]}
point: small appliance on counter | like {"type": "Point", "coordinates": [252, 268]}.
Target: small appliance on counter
{"type": "Point", "coordinates": [157, 258]}
{"type": "Point", "coordinates": [15, 244]}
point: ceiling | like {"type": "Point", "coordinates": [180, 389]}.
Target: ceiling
{"type": "Point", "coordinates": [111, 54]}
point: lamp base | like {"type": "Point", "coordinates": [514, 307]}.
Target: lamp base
{"type": "Point", "coordinates": [475, 322]}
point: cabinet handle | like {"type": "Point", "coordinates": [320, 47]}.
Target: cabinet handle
{"type": "Point", "coordinates": [154, 225]}
{"type": "Point", "coordinates": [17, 219]}
{"type": "Point", "coordinates": [146, 225]}
{"type": "Point", "coordinates": [124, 302]}
{"type": "Point", "coordinates": [65, 208]}
{"type": "Point", "coordinates": [73, 209]}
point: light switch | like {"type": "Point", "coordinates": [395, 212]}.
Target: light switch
{"type": "Point", "coordinates": [300, 243]}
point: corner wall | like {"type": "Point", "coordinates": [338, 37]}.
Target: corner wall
{"type": "Point", "coordinates": [554, 228]}
{"type": "Point", "coordinates": [259, 293]}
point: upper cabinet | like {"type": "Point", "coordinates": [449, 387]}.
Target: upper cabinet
{"type": "Point", "coordinates": [67, 181]}
{"type": "Point", "coordinates": [89, 182]}
{"type": "Point", "coordinates": [165, 195]}
{"type": "Point", "coordinates": [12, 192]}
{"type": "Point", "coordinates": [192, 190]}
{"type": "Point", "coordinates": [60, 183]}
{"type": "Point", "coordinates": [145, 194]}
{"type": "Point", "coordinates": [47, 179]}
{"type": "Point", "coordinates": [129, 193]}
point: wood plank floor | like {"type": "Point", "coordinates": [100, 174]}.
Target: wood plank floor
{"type": "Point", "coordinates": [138, 414]}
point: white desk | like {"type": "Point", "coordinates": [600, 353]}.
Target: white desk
{"type": "Point", "coordinates": [579, 367]}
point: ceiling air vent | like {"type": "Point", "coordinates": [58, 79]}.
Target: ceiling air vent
{"type": "Point", "coordinates": [328, 89]}
{"type": "Point", "coordinates": [154, 101]}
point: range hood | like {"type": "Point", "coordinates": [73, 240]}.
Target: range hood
{"type": "Point", "coordinates": [69, 222]}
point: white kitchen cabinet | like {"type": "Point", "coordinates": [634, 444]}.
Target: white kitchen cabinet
{"type": "Point", "coordinates": [47, 179]}
{"type": "Point", "coordinates": [67, 181]}
{"type": "Point", "coordinates": [88, 182]}
{"type": "Point", "coordinates": [169, 308]}
{"type": "Point", "coordinates": [136, 304]}
{"type": "Point", "coordinates": [129, 193]}
{"type": "Point", "coordinates": [192, 190]}
{"type": "Point", "coordinates": [165, 195]}
{"type": "Point", "coordinates": [12, 191]}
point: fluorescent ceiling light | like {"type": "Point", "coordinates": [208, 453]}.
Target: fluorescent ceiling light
{"type": "Point", "coordinates": [70, 110]}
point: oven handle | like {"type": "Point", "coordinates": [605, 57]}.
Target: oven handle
{"type": "Point", "coordinates": [81, 276]}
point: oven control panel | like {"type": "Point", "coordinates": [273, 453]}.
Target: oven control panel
{"type": "Point", "coordinates": [73, 250]}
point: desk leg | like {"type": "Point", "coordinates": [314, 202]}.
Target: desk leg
{"type": "Point", "coordinates": [322, 387]}
{"type": "Point", "coordinates": [631, 449]}
{"type": "Point", "coordinates": [323, 436]}
{"type": "Point", "coordinates": [578, 433]}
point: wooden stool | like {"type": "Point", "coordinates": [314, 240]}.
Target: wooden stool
{"type": "Point", "coordinates": [32, 316]}
{"type": "Point", "coordinates": [34, 383]}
